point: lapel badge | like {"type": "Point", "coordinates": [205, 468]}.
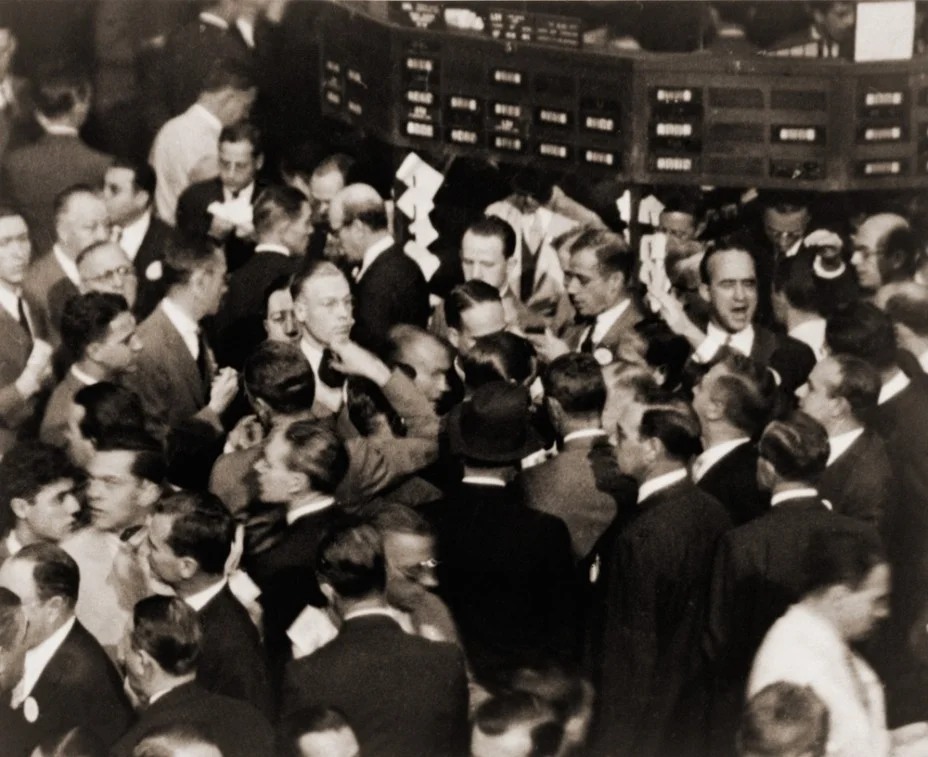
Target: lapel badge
{"type": "Point", "coordinates": [30, 710]}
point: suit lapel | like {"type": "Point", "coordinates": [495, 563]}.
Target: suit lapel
{"type": "Point", "coordinates": [626, 321]}
{"type": "Point", "coordinates": [176, 354]}
{"type": "Point", "coordinates": [765, 344]}
{"type": "Point", "coordinates": [13, 331]}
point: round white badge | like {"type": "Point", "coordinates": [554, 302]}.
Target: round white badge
{"type": "Point", "coordinates": [154, 271]}
{"type": "Point", "coordinates": [603, 356]}
{"type": "Point", "coordinates": [31, 710]}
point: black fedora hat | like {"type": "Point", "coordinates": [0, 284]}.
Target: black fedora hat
{"type": "Point", "coordinates": [494, 425]}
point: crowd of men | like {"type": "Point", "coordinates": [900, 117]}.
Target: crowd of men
{"type": "Point", "coordinates": [266, 489]}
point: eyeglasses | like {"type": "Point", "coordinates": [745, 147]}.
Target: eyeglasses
{"type": "Point", "coordinates": [114, 275]}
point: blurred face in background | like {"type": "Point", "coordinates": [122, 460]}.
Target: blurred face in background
{"type": "Point", "coordinates": [15, 250]}
{"type": "Point", "coordinates": [785, 228]}
{"type": "Point", "coordinates": [280, 322]}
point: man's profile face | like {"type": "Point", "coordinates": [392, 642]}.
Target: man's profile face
{"type": "Point", "coordinates": [590, 289]}
{"type": "Point", "coordinates": [238, 164]}
{"type": "Point", "coordinates": [817, 394]}
{"type": "Point", "coordinates": [120, 347]}
{"type": "Point", "coordinates": [17, 576]}
{"type": "Point", "coordinates": [431, 362]}
{"type": "Point", "coordinates": [275, 479]}
{"type": "Point", "coordinates": [15, 250]}
{"type": "Point", "coordinates": [52, 512]}
{"type": "Point", "coordinates": [480, 320]}
{"type": "Point", "coordinates": [164, 563]}
{"type": "Point", "coordinates": [83, 223]}
{"type": "Point", "coordinates": [322, 188]}
{"type": "Point", "coordinates": [863, 608]}
{"type": "Point", "coordinates": [123, 201]}
{"type": "Point", "coordinates": [411, 564]}
{"type": "Point", "coordinates": [732, 289]}
{"type": "Point", "coordinates": [113, 491]}
{"type": "Point", "coordinates": [838, 20]}
{"type": "Point", "coordinates": [281, 324]}
{"type": "Point", "coordinates": [483, 259]}
{"type": "Point", "coordinates": [784, 228]}
{"type": "Point", "coordinates": [868, 253]}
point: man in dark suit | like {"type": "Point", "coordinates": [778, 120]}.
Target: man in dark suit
{"type": "Point", "coordinates": [21, 379]}
{"type": "Point", "coordinates": [221, 209]}
{"type": "Point", "coordinates": [759, 569]}
{"type": "Point", "coordinates": [652, 687]}
{"type": "Point", "coordinates": [402, 694]}
{"type": "Point", "coordinates": [167, 683]}
{"type": "Point", "coordinates": [67, 679]}
{"type": "Point", "coordinates": [842, 391]}
{"type": "Point", "coordinates": [389, 285]}
{"type": "Point", "coordinates": [733, 401]}
{"type": "Point", "coordinates": [507, 571]}
{"type": "Point", "coordinates": [282, 226]}
{"type": "Point", "coordinates": [907, 304]}
{"type": "Point", "coordinates": [565, 485]}
{"type": "Point", "coordinates": [190, 539]}
{"type": "Point", "coordinates": [37, 173]}
{"type": "Point", "coordinates": [52, 279]}
{"type": "Point", "coordinates": [129, 191]}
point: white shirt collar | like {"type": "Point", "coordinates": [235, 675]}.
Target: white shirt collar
{"type": "Point", "coordinates": [892, 387]}
{"type": "Point", "coordinates": [584, 433]}
{"type": "Point", "coordinates": [607, 319]}
{"type": "Point", "coordinates": [314, 506]}
{"type": "Point", "coordinates": [789, 494]}
{"type": "Point", "coordinates": [213, 20]}
{"type": "Point", "coordinates": [711, 456]}
{"type": "Point", "coordinates": [484, 481]}
{"type": "Point", "coordinates": [312, 353]}
{"type": "Point", "coordinates": [132, 235]}
{"type": "Point", "coordinates": [654, 485]}
{"type": "Point", "coordinates": [13, 544]}
{"type": "Point", "coordinates": [164, 692]}
{"type": "Point", "coordinates": [272, 247]}
{"type": "Point", "coordinates": [923, 361]}
{"type": "Point", "coordinates": [743, 341]}
{"type": "Point", "coordinates": [247, 30]}
{"type": "Point", "coordinates": [811, 333]}
{"type": "Point", "coordinates": [61, 130]}
{"type": "Point", "coordinates": [9, 301]}
{"type": "Point", "coordinates": [187, 328]}
{"type": "Point", "coordinates": [242, 198]}
{"type": "Point", "coordinates": [85, 378]}
{"type": "Point", "coordinates": [67, 265]}
{"type": "Point", "coordinates": [205, 114]}
{"type": "Point", "coordinates": [839, 444]}
{"type": "Point", "coordinates": [202, 598]}
{"type": "Point", "coordinates": [386, 611]}
{"type": "Point", "coordinates": [373, 252]}
{"type": "Point", "coordinates": [37, 660]}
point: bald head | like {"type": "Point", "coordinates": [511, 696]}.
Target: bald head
{"type": "Point", "coordinates": [885, 250]}
{"type": "Point", "coordinates": [105, 267]}
{"type": "Point", "coordinates": [358, 218]}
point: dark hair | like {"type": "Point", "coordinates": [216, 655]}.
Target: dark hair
{"type": "Point", "coordinates": [392, 517]}
{"type": "Point", "coordinates": [864, 331]}
{"type": "Point", "coordinates": [280, 375]}
{"type": "Point", "coordinates": [281, 283]}
{"type": "Point", "coordinates": [796, 283]}
{"type": "Point", "coordinates": [493, 226]}
{"type": "Point", "coordinates": [168, 629]}
{"type": "Point", "coordinates": [317, 451]}
{"type": "Point", "coordinates": [227, 73]}
{"type": "Point", "coordinates": [841, 557]}
{"type": "Point", "coordinates": [148, 456]}
{"type": "Point", "coordinates": [909, 306]}
{"type": "Point", "coordinates": [737, 242]}
{"type": "Point", "coordinates": [576, 381]}
{"type": "Point", "coordinates": [86, 319]}
{"type": "Point", "coordinates": [900, 250]}
{"type": "Point", "coordinates": [276, 205]}
{"type": "Point", "coordinates": [243, 131]}
{"type": "Point", "coordinates": [684, 200]}
{"type": "Point", "coordinates": [108, 409]}
{"type": "Point", "coordinates": [504, 712]}
{"type": "Point", "coordinates": [676, 427]}
{"type": "Point", "coordinates": [351, 561]}
{"type": "Point", "coordinates": [63, 198]}
{"type": "Point", "coordinates": [144, 178]}
{"type": "Point", "coordinates": [797, 447]}
{"type": "Point", "coordinates": [53, 570]}
{"type": "Point", "coordinates": [202, 528]}
{"type": "Point", "coordinates": [27, 468]}
{"type": "Point", "coordinates": [746, 392]}
{"type": "Point", "coordinates": [11, 617]}
{"type": "Point", "coordinates": [782, 719]}
{"type": "Point", "coordinates": [366, 402]}
{"type": "Point", "coordinates": [317, 719]}
{"type": "Point", "coordinates": [466, 296]}
{"type": "Point", "coordinates": [502, 356]}
{"type": "Point", "coordinates": [860, 384]}
{"type": "Point", "coordinates": [183, 258]}
{"type": "Point", "coordinates": [166, 740]}
{"type": "Point", "coordinates": [632, 377]}
{"type": "Point", "coordinates": [58, 92]}
{"type": "Point", "coordinates": [311, 269]}
{"type": "Point", "coordinates": [78, 742]}
{"type": "Point", "coordinates": [612, 252]}
{"type": "Point", "coordinates": [343, 164]}
{"type": "Point", "coordinates": [404, 336]}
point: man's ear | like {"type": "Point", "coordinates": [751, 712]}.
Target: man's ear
{"type": "Point", "coordinates": [19, 506]}
{"type": "Point", "coordinates": [259, 162]}
{"type": "Point", "coordinates": [188, 567]}
{"type": "Point", "coordinates": [454, 336]}
{"type": "Point", "coordinates": [329, 592]}
{"type": "Point", "coordinates": [555, 411]}
{"type": "Point", "coordinates": [150, 493]}
{"type": "Point", "coordinates": [704, 291]}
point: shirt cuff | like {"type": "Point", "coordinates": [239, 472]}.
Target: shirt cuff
{"type": "Point", "coordinates": [706, 350]}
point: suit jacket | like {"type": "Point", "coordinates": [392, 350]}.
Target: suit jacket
{"type": "Point", "coordinates": [194, 221]}
{"type": "Point", "coordinates": [860, 482]}
{"type": "Point", "coordinates": [46, 289]}
{"type": "Point", "coordinates": [36, 173]}
{"type": "Point", "coordinates": [232, 661]}
{"type": "Point", "coordinates": [55, 422]}
{"type": "Point", "coordinates": [17, 414]}
{"type": "Point", "coordinates": [238, 728]}
{"type": "Point", "coordinates": [393, 290]}
{"type": "Point", "coordinates": [652, 687]}
{"type": "Point", "coordinates": [152, 250]}
{"type": "Point", "coordinates": [240, 323]}
{"type": "Point", "coordinates": [79, 687]}
{"type": "Point", "coordinates": [792, 360]}
{"type": "Point", "coordinates": [622, 340]}
{"type": "Point", "coordinates": [733, 482]}
{"type": "Point", "coordinates": [17, 126]}
{"type": "Point", "coordinates": [507, 576]}
{"type": "Point", "coordinates": [365, 673]}
{"type": "Point", "coordinates": [565, 487]}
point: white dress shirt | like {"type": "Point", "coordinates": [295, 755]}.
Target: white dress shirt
{"type": "Point", "coordinates": [37, 660]}
{"type": "Point", "coordinates": [805, 649]}
{"type": "Point", "coordinates": [711, 456]}
{"type": "Point", "coordinates": [187, 328]}
{"type": "Point", "coordinates": [67, 265]}
{"type": "Point", "coordinates": [743, 342]}
{"type": "Point", "coordinates": [372, 253]}
{"type": "Point", "coordinates": [330, 397]}
{"type": "Point", "coordinates": [892, 387]}
{"type": "Point", "coordinates": [132, 235]}
{"type": "Point", "coordinates": [811, 333]}
{"type": "Point", "coordinates": [841, 443]}
{"type": "Point", "coordinates": [316, 505]}
{"type": "Point", "coordinates": [10, 302]}
{"type": "Point", "coordinates": [85, 378]}
{"type": "Point", "coordinates": [605, 321]}
{"type": "Point", "coordinates": [654, 485]}
{"type": "Point", "coordinates": [202, 598]}
{"type": "Point", "coordinates": [61, 130]}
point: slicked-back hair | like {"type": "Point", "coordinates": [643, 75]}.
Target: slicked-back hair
{"type": "Point", "coordinates": [841, 558]}
{"type": "Point", "coordinates": [676, 427]}
{"type": "Point", "coordinates": [201, 528]}
{"type": "Point", "coordinates": [507, 711]}
{"type": "Point", "coordinates": [910, 309]}
{"type": "Point", "coordinates": [901, 250]}
{"type": "Point", "coordinates": [26, 469]}
{"type": "Point", "coordinates": [59, 91]}
{"type": "Point", "coordinates": [746, 392]}
{"type": "Point", "coordinates": [280, 375]}
{"type": "Point", "coordinates": [576, 381]}
{"type": "Point", "coordinates": [394, 518]}
{"type": "Point", "coordinates": [301, 723]}
{"type": "Point", "coordinates": [311, 269]}
{"type": "Point", "coordinates": [183, 257]}
{"type": "Point", "coordinates": [632, 377]}
{"type": "Point", "coordinates": [403, 338]}
{"type": "Point", "coordinates": [277, 205]}
{"type": "Point", "coordinates": [243, 131]}
{"type": "Point", "coordinates": [86, 319]}
{"type": "Point", "coordinates": [734, 242]}
{"type": "Point", "coordinates": [493, 226]}
{"type": "Point", "coordinates": [501, 356]}
{"type": "Point", "coordinates": [144, 178]}
{"type": "Point", "coordinates": [54, 572]}
{"type": "Point", "coordinates": [795, 282]}
{"type": "Point", "coordinates": [11, 618]}
{"type": "Point", "coordinates": [108, 408]}
{"type": "Point", "coordinates": [174, 739]}
{"type": "Point", "coordinates": [351, 561]}
{"type": "Point", "coordinates": [168, 630]}
{"type": "Point", "coordinates": [784, 719]}
{"type": "Point", "coordinates": [149, 461]}
{"type": "Point", "coordinates": [63, 198]}
{"type": "Point", "coordinates": [612, 252]}
{"type": "Point", "coordinates": [466, 296]}
{"type": "Point", "coordinates": [860, 384]}
{"type": "Point", "coordinates": [229, 74]}
{"type": "Point", "coordinates": [797, 447]}
{"type": "Point", "coordinates": [864, 331]}
{"type": "Point", "coordinates": [317, 451]}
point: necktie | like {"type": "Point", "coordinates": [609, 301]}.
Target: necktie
{"type": "Point", "coordinates": [327, 373]}
{"type": "Point", "coordinates": [23, 320]}
{"type": "Point", "coordinates": [204, 364]}
{"type": "Point", "coordinates": [586, 347]}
